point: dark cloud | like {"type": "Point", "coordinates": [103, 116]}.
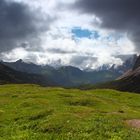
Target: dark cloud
{"type": "Point", "coordinates": [19, 25]}
{"type": "Point", "coordinates": [121, 15]}
{"type": "Point", "coordinates": [60, 51]}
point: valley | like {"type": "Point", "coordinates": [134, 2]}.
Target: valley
{"type": "Point", "coordinates": [63, 76]}
{"type": "Point", "coordinates": [69, 70]}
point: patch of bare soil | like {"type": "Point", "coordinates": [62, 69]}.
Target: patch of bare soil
{"type": "Point", "coordinates": [134, 123]}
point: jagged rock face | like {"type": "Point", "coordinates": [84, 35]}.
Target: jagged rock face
{"type": "Point", "coordinates": [137, 64]}
{"type": "Point", "coordinates": [127, 65]}
{"type": "Point", "coordinates": [134, 72]}
{"type": "Point", "coordinates": [130, 81]}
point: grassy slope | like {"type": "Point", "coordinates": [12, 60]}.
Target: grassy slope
{"type": "Point", "coordinates": [129, 85]}
{"type": "Point", "coordinates": [30, 112]}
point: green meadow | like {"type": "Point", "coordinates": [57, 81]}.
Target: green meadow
{"type": "Point", "coordinates": [31, 112]}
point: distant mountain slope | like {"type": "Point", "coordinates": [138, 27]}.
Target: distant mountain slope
{"type": "Point", "coordinates": [130, 81]}
{"type": "Point", "coordinates": [137, 63]}
{"type": "Point", "coordinates": [22, 66]}
{"type": "Point", "coordinates": [78, 77]}
{"type": "Point", "coordinates": [8, 75]}
{"type": "Point", "coordinates": [65, 76]}
{"type": "Point", "coordinates": [127, 65]}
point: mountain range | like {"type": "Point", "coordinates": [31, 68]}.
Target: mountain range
{"type": "Point", "coordinates": [65, 76]}
{"type": "Point", "coordinates": [129, 81]}
{"type": "Point", "coordinates": [9, 75]}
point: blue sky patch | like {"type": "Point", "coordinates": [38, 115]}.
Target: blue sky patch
{"type": "Point", "coordinates": [84, 33]}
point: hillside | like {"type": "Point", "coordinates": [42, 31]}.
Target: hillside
{"type": "Point", "coordinates": [35, 113]}
{"type": "Point", "coordinates": [65, 76]}
{"type": "Point", "coordinates": [129, 81]}
{"type": "Point", "coordinates": [9, 75]}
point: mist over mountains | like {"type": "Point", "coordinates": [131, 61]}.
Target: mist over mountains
{"type": "Point", "coordinates": [65, 76]}
{"type": "Point", "coordinates": [129, 81]}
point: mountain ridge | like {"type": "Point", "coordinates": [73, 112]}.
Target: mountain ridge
{"type": "Point", "coordinates": [9, 75]}
{"type": "Point", "coordinates": [129, 81]}
{"type": "Point", "coordinates": [66, 75]}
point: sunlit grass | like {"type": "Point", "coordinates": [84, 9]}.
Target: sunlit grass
{"type": "Point", "coordinates": [30, 112]}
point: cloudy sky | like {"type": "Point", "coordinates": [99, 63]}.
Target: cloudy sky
{"type": "Point", "coordinates": [81, 33]}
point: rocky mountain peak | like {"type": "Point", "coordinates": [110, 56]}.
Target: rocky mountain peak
{"type": "Point", "coordinates": [137, 63]}
{"type": "Point", "coordinates": [19, 61]}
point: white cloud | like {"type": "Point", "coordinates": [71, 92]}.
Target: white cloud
{"type": "Point", "coordinates": [59, 46]}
